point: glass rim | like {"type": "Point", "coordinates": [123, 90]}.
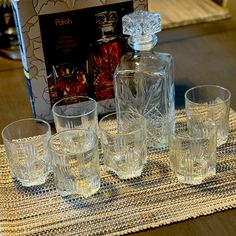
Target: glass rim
{"type": "Point", "coordinates": [172, 131]}
{"type": "Point", "coordinates": [206, 86]}
{"type": "Point", "coordinates": [69, 98]}
{"type": "Point", "coordinates": [50, 145]}
{"type": "Point", "coordinates": [123, 133]}
{"type": "Point", "coordinates": [188, 137]}
{"type": "Point", "coordinates": [22, 120]}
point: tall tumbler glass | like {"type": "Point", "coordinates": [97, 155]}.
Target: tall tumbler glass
{"type": "Point", "coordinates": [209, 101]}
{"type": "Point", "coordinates": [124, 143]}
{"type": "Point", "coordinates": [192, 155]}
{"type": "Point", "coordinates": [75, 162]}
{"type": "Point", "coordinates": [75, 112]}
{"type": "Point", "coordinates": [26, 144]}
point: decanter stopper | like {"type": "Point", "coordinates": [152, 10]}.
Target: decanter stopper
{"type": "Point", "coordinates": [142, 27]}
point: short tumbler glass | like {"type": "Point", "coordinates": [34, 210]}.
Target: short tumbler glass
{"type": "Point", "coordinates": [75, 112]}
{"type": "Point", "coordinates": [192, 156]}
{"type": "Point", "coordinates": [209, 101]}
{"type": "Point", "coordinates": [26, 142]}
{"type": "Point", "coordinates": [124, 143]}
{"type": "Point", "coordinates": [75, 162]}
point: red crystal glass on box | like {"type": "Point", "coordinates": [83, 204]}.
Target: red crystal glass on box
{"type": "Point", "coordinates": [67, 81]}
{"type": "Point", "coordinates": [105, 54]}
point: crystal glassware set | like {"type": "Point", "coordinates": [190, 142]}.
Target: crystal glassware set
{"type": "Point", "coordinates": [144, 118]}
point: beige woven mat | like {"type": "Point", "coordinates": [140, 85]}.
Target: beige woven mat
{"type": "Point", "coordinates": [120, 207]}
{"type": "Point", "coordinates": [184, 12]}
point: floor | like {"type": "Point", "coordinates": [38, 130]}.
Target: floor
{"type": "Point", "coordinates": [231, 5]}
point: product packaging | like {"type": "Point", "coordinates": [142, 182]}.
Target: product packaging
{"type": "Point", "coordinates": [70, 48]}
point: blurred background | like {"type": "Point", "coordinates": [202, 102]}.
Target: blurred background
{"type": "Point", "coordinates": [8, 36]}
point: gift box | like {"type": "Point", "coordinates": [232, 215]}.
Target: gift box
{"type": "Point", "coordinates": [70, 48]}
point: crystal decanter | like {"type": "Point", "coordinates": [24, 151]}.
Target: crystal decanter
{"type": "Point", "coordinates": [144, 77]}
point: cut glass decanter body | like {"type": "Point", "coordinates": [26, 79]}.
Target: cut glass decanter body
{"type": "Point", "coordinates": [144, 77]}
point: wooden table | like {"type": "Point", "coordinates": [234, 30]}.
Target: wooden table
{"type": "Point", "coordinates": [203, 54]}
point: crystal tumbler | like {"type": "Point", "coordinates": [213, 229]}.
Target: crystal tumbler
{"type": "Point", "coordinates": [124, 143]}
{"type": "Point", "coordinates": [75, 162]}
{"type": "Point", "coordinates": [192, 155]}
{"type": "Point", "coordinates": [209, 101]}
{"type": "Point", "coordinates": [26, 142]}
{"type": "Point", "coordinates": [75, 112]}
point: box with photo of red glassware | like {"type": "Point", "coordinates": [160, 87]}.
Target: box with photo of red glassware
{"type": "Point", "coordinates": [70, 48]}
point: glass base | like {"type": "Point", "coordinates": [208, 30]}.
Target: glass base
{"type": "Point", "coordinates": [84, 194]}
{"type": "Point", "coordinates": [190, 179]}
{"type": "Point", "coordinates": [32, 182]}
{"type": "Point", "coordinates": [195, 180]}
{"type": "Point", "coordinates": [125, 174]}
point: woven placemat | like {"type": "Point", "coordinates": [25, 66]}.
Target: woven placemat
{"type": "Point", "coordinates": [120, 207]}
